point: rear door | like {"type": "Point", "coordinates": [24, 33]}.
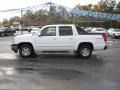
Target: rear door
{"type": "Point", "coordinates": [65, 40]}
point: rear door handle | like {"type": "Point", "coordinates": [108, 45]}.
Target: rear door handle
{"type": "Point", "coordinates": [54, 39]}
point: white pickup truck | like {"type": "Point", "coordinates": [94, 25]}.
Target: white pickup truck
{"type": "Point", "coordinates": [61, 37]}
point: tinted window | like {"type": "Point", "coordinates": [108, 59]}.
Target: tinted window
{"type": "Point", "coordinates": [80, 30]}
{"type": "Point", "coordinates": [99, 30]}
{"type": "Point", "coordinates": [117, 30]}
{"type": "Point", "coordinates": [49, 31]}
{"type": "Point", "coordinates": [65, 31]}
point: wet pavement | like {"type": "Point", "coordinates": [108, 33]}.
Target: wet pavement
{"type": "Point", "coordinates": [60, 71]}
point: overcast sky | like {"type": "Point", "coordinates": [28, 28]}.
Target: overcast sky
{"type": "Point", "coordinates": [11, 4]}
{"type": "Point", "coordinates": [7, 4]}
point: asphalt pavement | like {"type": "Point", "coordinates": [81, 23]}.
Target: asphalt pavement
{"type": "Point", "coordinates": [60, 71]}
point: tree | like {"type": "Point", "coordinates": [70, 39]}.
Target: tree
{"type": "Point", "coordinates": [118, 8]}
{"type": "Point", "coordinates": [28, 17]}
{"type": "Point", "coordinates": [101, 6]}
{"type": "Point", "coordinates": [118, 5]}
{"type": "Point", "coordinates": [84, 7]}
{"type": "Point", "coordinates": [15, 19]}
{"type": "Point", "coordinates": [40, 15]}
{"type": "Point", "coordinates": [6, 23]}
{"type": "Point", "coordinates": [110, 5]}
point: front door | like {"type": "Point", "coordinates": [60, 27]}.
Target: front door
{"type": "Point", "coordinates": [47, 39]}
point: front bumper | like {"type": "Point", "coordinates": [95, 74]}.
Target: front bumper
{"type": "Point", "coordinates": [14, 48]}
{"type": "Point", "coordinates": [117, 34]}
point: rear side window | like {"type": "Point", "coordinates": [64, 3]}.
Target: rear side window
{"type": "Point", "coordinates": [65, 31]}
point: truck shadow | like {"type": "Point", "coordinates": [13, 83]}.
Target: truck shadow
{"type": "Point", "coordinates": [63, 59]}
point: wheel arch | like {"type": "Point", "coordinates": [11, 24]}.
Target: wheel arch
{"type": "Point", "coordinates": [86, 44]}
{"type": "Point", "coordinates": [25, 43]}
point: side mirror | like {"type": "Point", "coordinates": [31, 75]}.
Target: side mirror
{"type": "Point", "coordinates": [39, 34]}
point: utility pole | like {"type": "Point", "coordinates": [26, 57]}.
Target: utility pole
{"type": "Point", "coordinates": [21, 22]}
{"type": "Point", "coordinates": [117, 24]}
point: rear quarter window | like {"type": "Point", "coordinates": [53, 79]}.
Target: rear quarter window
{"type": "Point", "coordinates": [80, 30]}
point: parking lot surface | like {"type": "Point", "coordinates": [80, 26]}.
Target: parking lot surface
{"type": "Point", "coordinates": [60, 71]}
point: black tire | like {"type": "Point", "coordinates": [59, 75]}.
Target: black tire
{"type": "Point", "coordinates": [84, 51]}
{"type": "Point", "coordinates": [113, 36]}
{"type": "Point", "coordinates": [29, 50]}
{"type": "Point", "coordinates": [2, 34]}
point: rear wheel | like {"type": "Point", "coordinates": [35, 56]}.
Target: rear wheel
{"type": "Point", "coordinates": [25, 50]}
{"type": "Point", "coordinates": [113, 36]}
{"type": "Point", "coordinates": [85, 51]}
{"type": "Point", "coordinates": [2, 34]}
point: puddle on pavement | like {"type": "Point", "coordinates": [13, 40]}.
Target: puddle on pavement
{"type": "Point", "coordinates": [55, 74]}
{"type": "Point", "coordinates": [50, 73]}
{"type": "Point", "coordinates": [62, 74]}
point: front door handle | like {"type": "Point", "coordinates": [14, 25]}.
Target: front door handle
{"type": "Point", "coordinates": [70, 38]}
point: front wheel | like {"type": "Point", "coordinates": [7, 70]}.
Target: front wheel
{"type": "Point", "coordinates": [25, 51]}
{"type": "Point", "coordinates": [85, 51]}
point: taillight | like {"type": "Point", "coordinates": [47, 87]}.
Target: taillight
{"type": "Point", "coordinates": [104, 37]}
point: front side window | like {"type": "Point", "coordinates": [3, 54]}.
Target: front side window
{"type": "Point", "coordinates": [49, 31]}
{"type": "Point", "coordinates": [65, 31]}
{"type": "Point", "coordinates": [99, 30]}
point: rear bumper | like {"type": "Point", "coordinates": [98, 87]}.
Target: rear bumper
{"type": "Point", "coordinates": [100, 46]}
{"type": "Point", "coordinates": [14, 48]}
